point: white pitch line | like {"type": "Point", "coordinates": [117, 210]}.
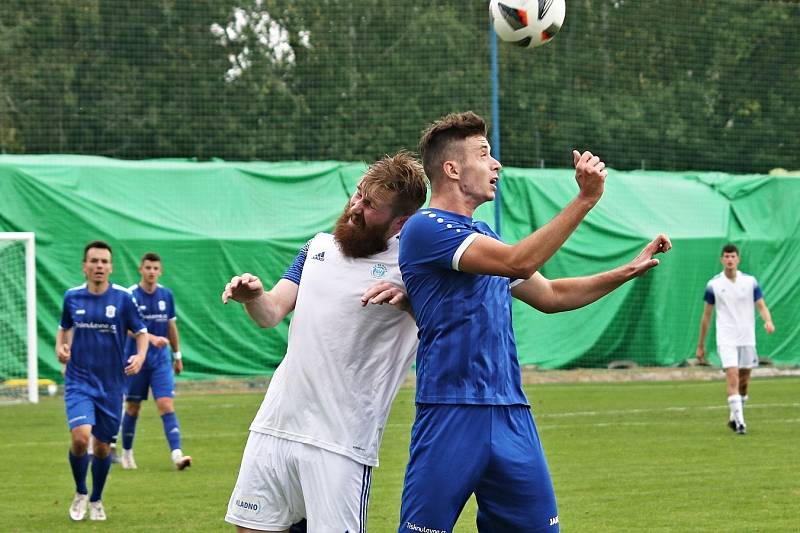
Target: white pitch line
{"type": "Point", "coordinates": [676, 409]}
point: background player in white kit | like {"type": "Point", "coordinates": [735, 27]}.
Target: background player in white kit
{"type": "Point", "coordinates": [315, 438]}
{"type": "Point", "coordinates": [736, 295]}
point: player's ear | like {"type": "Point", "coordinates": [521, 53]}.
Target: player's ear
{"type": "Point", "coordinates": [451, 169]}
{"type": "Point", "coordinates": [397, 223]}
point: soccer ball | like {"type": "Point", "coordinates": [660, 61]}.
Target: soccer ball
{"type": "Point", "coordinates": [527, 23]}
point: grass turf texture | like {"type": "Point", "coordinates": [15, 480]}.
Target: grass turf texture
{"type": "Point", "coordinates": [632, 457]}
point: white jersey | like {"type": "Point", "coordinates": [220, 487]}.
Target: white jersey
{"type": "Point", "coordinates": [735, 306]}
{"type": "Point", "coordinates": [344, 362]}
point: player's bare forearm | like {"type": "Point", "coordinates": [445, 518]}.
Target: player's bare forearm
{"type": "Point", "coordinates": [172, 335]}
{"type": "Point", "coordinates": [135, 362]}
{"type": "Point", "coordinates": [264, 311]}
{"type": "Point", "coordinates": [705, 322]}
{"type": "Point", "coordinates": [572, 293]}
{"type": "Point", "coordinates": [566, 294]}
{"type": "Point", "coordinates": [521, 260]}
{"type": "Point", "coordinates": [267, 309]}
{"type": "Point", "coordinates": [766, 316]}
{"type": "Point", "coordinates": [62, 345]}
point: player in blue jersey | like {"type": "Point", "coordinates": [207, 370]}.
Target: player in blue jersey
{"type": "Point", "coordinates": [158, 373]}
{"type": "Point", "coordinates": [95, 322]}
{"type": "Point", "coordinates": [474, 432]}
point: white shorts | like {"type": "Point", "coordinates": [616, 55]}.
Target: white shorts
{"type": "Point", "coordinates": [738, 356]}
{"type": "Point", "coordinates": [282, 481]}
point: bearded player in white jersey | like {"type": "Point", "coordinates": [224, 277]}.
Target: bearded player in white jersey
{"type": "Point", "coordinates": [736, 296]}
{"type": "Point", "coordinates": [315, 439]}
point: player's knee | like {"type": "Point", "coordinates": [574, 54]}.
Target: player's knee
{"type": "Point", "coordinates": [80, 444]}
{"type": "Point", "coordinates": [101, 449]}
{"type": "Point", "coordinates": [132, 408]}
{"type": "Point", "coordinates": [165, 406]}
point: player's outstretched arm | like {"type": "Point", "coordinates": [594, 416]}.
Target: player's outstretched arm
{"type": "Point", "coordinates": [490, 256]}
{"type": "Point", "coordinates": [267, 309]}
{"type": "Point", "coordinates": [565, 294]}
{"type": "Point", "coordinates": [384, 292]}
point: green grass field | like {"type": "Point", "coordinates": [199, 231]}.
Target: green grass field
{"type": "Point", "coordinates": [625, 457]}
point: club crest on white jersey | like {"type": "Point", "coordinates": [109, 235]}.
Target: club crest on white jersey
{"type": "Point", "coordinates": [379, 271]}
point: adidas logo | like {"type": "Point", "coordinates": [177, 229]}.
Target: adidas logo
{"type": "Point", "coordinates": [319, 257]}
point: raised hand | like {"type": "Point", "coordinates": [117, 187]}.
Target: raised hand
{"type": "Point", "coordinates": [645, 260]}
{"type": "Point", "coordinates": [243, 289]}
{"type": "Point", "coordinates": [590, 173]}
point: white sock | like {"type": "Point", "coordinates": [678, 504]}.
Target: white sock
{"type": "Point", "coordinates": [176, 455]}
{"type": "Point", "coordinates": [735, 404]}
{"type": "Point", "coordinates": [127, 453]}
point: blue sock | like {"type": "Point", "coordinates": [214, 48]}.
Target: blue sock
{"type": "Point", "coordinates": [100, 468]}
{"type": "Point", "coordinates": [172, 430]}
{"type": "Point", "coordinates": [80, 466]}
{"type": "Point", "coordinates": [128, 430]}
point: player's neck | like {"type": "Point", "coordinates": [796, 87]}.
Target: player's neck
{"type": "Point", "coordinates": [149, 288]}
{"type": "Point", "coordinates": [99, 287]}
{"type": "Point", "coordinates": [455, 203]}
{"type": "Point", "coordinates": [731, 274]}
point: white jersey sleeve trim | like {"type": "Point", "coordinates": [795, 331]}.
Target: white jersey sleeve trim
{"type": "Point", "coordinates": [461, 249]}
{"type": "Point", "coordinates": [121, 288]}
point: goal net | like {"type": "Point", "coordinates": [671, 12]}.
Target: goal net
{"type": "Point", "coordinates": [18, 363]}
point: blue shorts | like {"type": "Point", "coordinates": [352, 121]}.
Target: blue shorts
{"type": "Point", "coordinates": [160, 378]}
{"type": "Point", "coordinates": [489, 450]}
{"type": "Point", "coordinates": [100, 412]}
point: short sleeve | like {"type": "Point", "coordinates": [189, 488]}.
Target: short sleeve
{"type": "Point", "coordinates": [171, 306]}
{"type": "Point", "coordinates": [431, 238]}
{"type": "Point", "coordinates": [709, 295]}
{"type": "Point", "coordinates": [757, 294]}
{"type": "Point", "coordinates": [66, 316]}
{"type": "Point", "coordinates": [295, 271]}
{"type": "Point", "coordinates": [133, 317]}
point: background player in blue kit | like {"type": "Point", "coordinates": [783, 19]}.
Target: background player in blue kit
{"type": "Point", "coordinates": [91, 338]}
{"type": "Point", "coordinates": [474, 432]}
{"type": "Point", "coordinates": [158, 310]}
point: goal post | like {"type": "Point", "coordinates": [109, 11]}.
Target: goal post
{"type": "Point", "coordinates": [19, 369]}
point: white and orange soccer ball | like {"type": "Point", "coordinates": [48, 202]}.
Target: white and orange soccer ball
{"type": "Point", "coordinates": [527, 23]}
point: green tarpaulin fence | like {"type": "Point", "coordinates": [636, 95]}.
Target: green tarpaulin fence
{"type": "Point", "coordinates": [211, 220]}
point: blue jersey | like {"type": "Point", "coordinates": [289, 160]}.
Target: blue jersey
{"type": "Point", "coordinates": [157, 310]}
{"type": "Point", "coordinates": [100, 324]}
{"type": "Point", "coordinates": [467, 353]}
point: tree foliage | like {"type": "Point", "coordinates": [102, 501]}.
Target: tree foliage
{"type": "Point", "coordinates": [668, 84]}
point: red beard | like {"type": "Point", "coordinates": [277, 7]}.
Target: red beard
{"type": "Point", "coordinates": [357, 239]}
